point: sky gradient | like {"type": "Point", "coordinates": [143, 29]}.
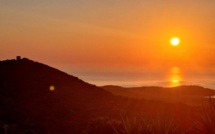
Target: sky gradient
{"type": "Point", "coordinates": [113, 41]}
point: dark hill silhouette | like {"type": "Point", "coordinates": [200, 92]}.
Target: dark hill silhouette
{"type": "Point", "coordinates": [27, 105]}
{"type": "Point", "coordinates": [25, 94]}
{"type": "Point", "coordinates": [192, 95]}
{"type": "Point", "coordinates": [36, 78]}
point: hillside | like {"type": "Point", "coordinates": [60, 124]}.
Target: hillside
{"type": "Point", "coordinates": [25, 96]}
{"type": "Point", "coordinates": [192, 95]}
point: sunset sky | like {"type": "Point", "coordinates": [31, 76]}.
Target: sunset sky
{"type": "Point", "coordinates": [124, 42]}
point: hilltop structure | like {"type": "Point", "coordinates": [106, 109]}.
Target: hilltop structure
{"type": "Point", "coordinates": [18, 58]}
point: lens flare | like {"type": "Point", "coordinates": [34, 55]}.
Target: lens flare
{"type": "Point", "coordinates": [51, 88]}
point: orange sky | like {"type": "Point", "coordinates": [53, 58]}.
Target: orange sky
{"type": "Point", "coordinates": [109, 35]}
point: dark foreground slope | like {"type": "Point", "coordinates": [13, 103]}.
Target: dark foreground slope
{"type": "Point", "coordinates": [28, 106]}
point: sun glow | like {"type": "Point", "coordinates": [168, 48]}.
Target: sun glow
{"type": "Point", "coordinates": [175, 81]}
{"type": "Point", "coordinates": [175, 41]}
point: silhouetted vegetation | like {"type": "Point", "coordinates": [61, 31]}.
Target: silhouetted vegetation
{"type": "Point", "coordinates": [158, 124]}
{"type": "Point", "coordinates": [206, 118]}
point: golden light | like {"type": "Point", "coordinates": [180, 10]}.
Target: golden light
{"type": "Point", "coordinates": [52, 88]}
{"type": "Point", "coordinates": [175, 41]}
{"type": "Point", "coordinates": [175, 77]}
{"type": "Point", "coordinates": [175, 81]}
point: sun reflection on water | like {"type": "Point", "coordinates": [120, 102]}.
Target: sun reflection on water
{"type": "Point", "coordinates": [175, 77]}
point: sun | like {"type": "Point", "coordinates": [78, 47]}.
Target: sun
{"type": "Point", "coordinates": [175, 41]}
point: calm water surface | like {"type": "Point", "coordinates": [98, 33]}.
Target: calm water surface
{"type": "Point", "coordinates": [171, 77]}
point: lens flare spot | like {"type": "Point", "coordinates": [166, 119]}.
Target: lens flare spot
{"type": "Point", "coordinates": [51, 88]}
